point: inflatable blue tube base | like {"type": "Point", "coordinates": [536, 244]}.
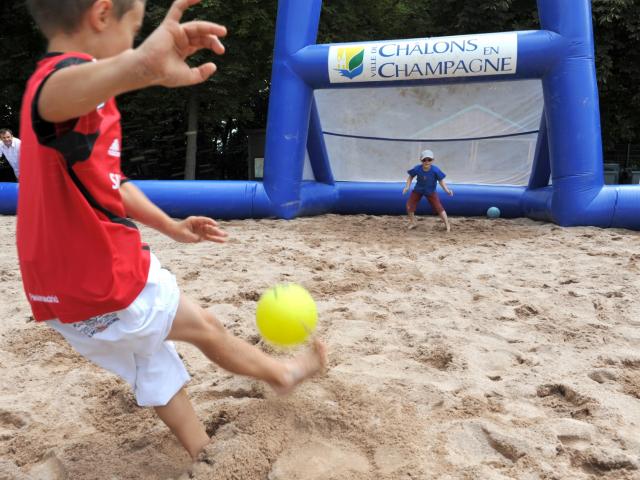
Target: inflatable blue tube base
{"type": "Point", "coordinates": [8, 198]}
{"type": "Point", "coordinates": [218, 199]}
{"type": "Point", "coordinates": [614, 206]}
{"type": "Point", "coordinates": [468, 200]}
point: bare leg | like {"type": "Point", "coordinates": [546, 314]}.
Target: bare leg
{"type": "Point", "coordinates": [182, 420]}
{"type": "Point", "coordinates": [412, 221]}
{"type": "Point", "coordinates": [200, 328]}
{"type": "Point", "coordinates": [194, 325]}
{"type": "Point", "coordinates": [445, 219]}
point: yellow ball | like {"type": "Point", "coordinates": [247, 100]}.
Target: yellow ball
{"type": "Point", "coordinates": [286, 315]}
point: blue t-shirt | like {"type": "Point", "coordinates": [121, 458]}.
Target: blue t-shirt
{"type": "Point", "coordinates": [426, 182]}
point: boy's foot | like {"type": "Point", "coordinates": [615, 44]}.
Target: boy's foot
{"type": "Point", "coordinates": [411, 226]}
{"type": "Point", "coordinates": [302, 367]}
{"type": "Point", "coordinates": [448, 225]}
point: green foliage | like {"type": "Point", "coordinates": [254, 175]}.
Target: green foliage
{"type": "Point", "coordinates": [346, 20]}
{"type": "Point", "coordinates": [617, 29]}
{"type": "Point", "coordinates": [235, 99]}
{"type": "Point", "coordinates": [20, 47]}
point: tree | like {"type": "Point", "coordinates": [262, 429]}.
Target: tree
{"type": "Point", "coordinates": [617, 29]}
{"type": "Point", "coordinates": [235, 99]}
{"type": "Point", "coordinates": [20, 47]}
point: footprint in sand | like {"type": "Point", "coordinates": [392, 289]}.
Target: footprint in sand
{"type": "Point", "coordinates": [524, 311]}
{"type": "Point", "coordinates": [476, 442]}
{"type": "Point", "coordinates": [438, 356]}
{"type": "Point", "coordinates": [627, 375]}
{"type": "Point", "coordinates": [10, 422]}
{"type": "Point", "coordinates": [602, 461]}
{"type": "Point", "coordinates": [565, 401]}
{"type": "Point", "coordinates": [509, 447]}
{"type": "Point", "coordinates": [574, 434]}
{"type": "Point", "coordinates": [217, 421]}
{"type": "Point", "coordinates": [630, 382]}
{"type": "Point", "coordinates": [12, 419]}
{"type": "Point", "coordinates": [630, 362]}
{"type": "Point", "coordinates": [602, 376]}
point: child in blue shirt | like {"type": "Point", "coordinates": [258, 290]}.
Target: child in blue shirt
{"type": "Point", "coordinates": [428, 176]}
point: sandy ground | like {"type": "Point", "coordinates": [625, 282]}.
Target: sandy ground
{"type": "Point", "coordinates": [506, 349]}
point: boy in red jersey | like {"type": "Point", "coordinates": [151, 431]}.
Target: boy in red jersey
{"type": "Point", "coordinates": [84, 267]}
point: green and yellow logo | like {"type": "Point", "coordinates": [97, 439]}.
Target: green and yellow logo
{"type": "Point", "coordinates": [350, 61]}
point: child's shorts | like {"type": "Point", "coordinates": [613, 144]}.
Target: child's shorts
{"type": "Point", "coordinates": [432, 198]}
{"type": "Point", "coordinates": [131, 342]}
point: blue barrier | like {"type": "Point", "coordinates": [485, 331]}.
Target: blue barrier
{"type": "Point", "coordinates": [569, 148]}
{"type": "Point", "coordinates": [8, 198]}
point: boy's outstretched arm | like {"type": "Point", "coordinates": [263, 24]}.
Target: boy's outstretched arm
{"type": "Point", "coordinates": [189, 230]}
{"type": "Point", "coordinates": [160, 60]}
{"type": "Point", "coordinates": [406, 187]}
{"type": "Point", "coordinates": [445, 187]}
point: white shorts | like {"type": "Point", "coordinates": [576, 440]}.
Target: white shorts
{"type": "Point", "coordinates": [131, 342]}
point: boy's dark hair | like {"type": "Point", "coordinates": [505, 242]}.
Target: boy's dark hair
{"type": "Point", "coordinates": [5, 130]}
{"type": "Point", "coordinates": [54, 16]}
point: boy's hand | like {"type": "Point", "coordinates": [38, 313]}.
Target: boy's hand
{"type": "Point", "coordinates": [405, 190]}
{"type": "Point", "coordinates": [162, 55]}
{"type": "Point", "coordinates": [197, 229]}
{"type": "Point", "coordinates": [450, 192]}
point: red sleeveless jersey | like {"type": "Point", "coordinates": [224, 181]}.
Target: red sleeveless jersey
{"type": "Point", "coordinates": [79, 254]}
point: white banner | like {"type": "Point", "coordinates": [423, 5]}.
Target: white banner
{"type": "Point", "coordinates": [425, 58]}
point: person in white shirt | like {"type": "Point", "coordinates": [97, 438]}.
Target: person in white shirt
{"type": "Point", "coordinates": [10, 149]}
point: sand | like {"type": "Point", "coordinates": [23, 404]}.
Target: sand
{"type": "Point", "coordinates": [506, 349]}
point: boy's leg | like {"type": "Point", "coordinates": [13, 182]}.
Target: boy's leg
{"type": "Point", "coordinates": [412, 221]}
{"type": "Point", "coordinates": [412, 204]}
{"type": "Point", "coordinates": [436, 206]}
{"type": "Point", "coordinates": [177, 414]}
{"type": "Point", "coordinates": [194, 325]}
{"type": "Point", "coordinates": [182, 420]}
{"type": "Point", "coordinates": [445, 219]}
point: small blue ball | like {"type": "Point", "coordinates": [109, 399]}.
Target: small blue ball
{"type": "Point", "coordinates": [493, 212]}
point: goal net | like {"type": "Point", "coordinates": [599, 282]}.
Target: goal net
{"type": "Point", "coordinates": [480, 133]}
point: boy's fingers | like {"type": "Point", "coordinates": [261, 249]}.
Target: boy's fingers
{"type": "Point", "coordinates": [211, 229]}
{"type": "Point", "coordinates": [210, 42]}
{"type": "Point", "coordinates": [212, 237]}
{"type": "Point", "coordinates": [218, 233]}
{"type": "Point", "coordinates": [198, 43]}
{"type": "Point", "coordinates": [216, 45]}
{"type": "Point", "coordinates": [199, 28]}
{"type": "Point", "coordinates": [215, 234]}
{"type": "Point", "coordinates": [202, 73]}
{"type": "Point", "coordinates": [178, 8]}
{"type": "Point", "coordinates": [217, 240]}
{"type": "Point", "coordinates": [206, 221]}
